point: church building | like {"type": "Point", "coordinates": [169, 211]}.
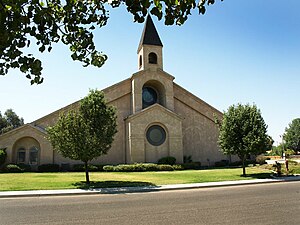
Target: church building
{"type": "Point", "coordinates": [155, 118]}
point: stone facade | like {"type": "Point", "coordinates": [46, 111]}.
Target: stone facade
{"type": "Point", "coordinates": [155, 118]}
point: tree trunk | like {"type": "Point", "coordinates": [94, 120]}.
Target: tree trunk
{"type": "Point", "coordinates": [86, 173]}
{"type": "Point", "coordinates": [244, 166]}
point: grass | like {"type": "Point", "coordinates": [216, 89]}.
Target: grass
{"type": "Point", "coordinates": [52, 181]}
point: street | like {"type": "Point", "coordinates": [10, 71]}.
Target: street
{"type": "Point", "coordinates": [264, 204]}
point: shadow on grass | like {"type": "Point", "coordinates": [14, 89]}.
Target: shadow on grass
{"type": "Point", "coordinates": [111, 184]}
{"type": "Point", "coordinates": [258, 175]}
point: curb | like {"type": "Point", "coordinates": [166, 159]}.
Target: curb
{"type": "Point", "coordinates": [123, 190]}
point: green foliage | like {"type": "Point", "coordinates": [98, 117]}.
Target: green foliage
{"type": "Point", "coordinates": [191, 166]}
{"type": "Point", "coordinates": [222, 163]}
{"type": "Point", "coordinates": [292, 135]}
{"type": "Point", "coordinates": [243, 132]}
{"type": "Point", "coordinates": [91, 168]}
{"type": "Point", "coordinates": [12, 168]}
{"type": "Point", "coordinates": [261, 159]}
{"type": "Point", "coordinates": [10, 121]}
{"type": "Point", "coordinates": [24, 167]}
{"type": "Point", "coordinates": [276, 150]}
{"type": "Point", "coordinates": [40, 24]}
{"type": "Point", "coordinates": [48, 168]}
{"type": "Point", "coordinates": [86, 133]}
{"type": "Point", "coordinates": [140, 167]}
{"type": "Point", "coordinates": [187, 159]}
{"type": "Point", "coordinates": [163, 167]}
{"type": "Point", "coordinates": [170, 160]}
{"type": "Point", "coordinates": [3, 156]}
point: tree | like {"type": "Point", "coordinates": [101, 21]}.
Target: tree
{"type": "Point", "coordinates": [3, 156]}
{"type": "Point", "coordinates": [243, 132]}
{"type": "Point", "coordinates": [10, 121]}
{"type": "Point", "coordinates": [71, 22]}
{"type": "Point", "coordinates": [292, 135]}
{"type": "Point", "coordinates": [87, 133]}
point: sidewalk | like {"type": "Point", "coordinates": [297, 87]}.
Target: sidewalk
{"type": "Point", "coordinates": [119, 190]}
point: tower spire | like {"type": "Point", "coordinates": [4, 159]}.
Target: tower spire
{"type": "Point", "coordinates": [149, 35]}
{"type": "Point", "coordinates": [150, 48]}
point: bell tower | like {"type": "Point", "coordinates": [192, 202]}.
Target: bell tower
{"type": "Point", "coordinates": [150, 48]}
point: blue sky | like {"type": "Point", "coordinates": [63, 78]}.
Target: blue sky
{"type": "Point", "coordinates": [238, 52]}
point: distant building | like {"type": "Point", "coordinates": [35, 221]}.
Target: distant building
{"type": "Point", "coordinates": [156, 118]}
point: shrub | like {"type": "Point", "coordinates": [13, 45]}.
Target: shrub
{"type": "Point", "coordinates": [261, 159]}
{"type": "Point", "coordinates": [169, 160]}
{"type": "Point", "coordinates": [12, 168]}
{"type": "Point", "coordinates": [24, 167]}
{"type": "Point", "coordinates": [178, 167]}
{"type": "Point", "coordinates": [108, 168]}
{"type": "Point", "coordinates": [99, 167]}
{"type": "Point", "coordinates": [80, 168]}
{"type": "Point", "coordinates": [165, 167]}
{"type": "Point", "coordinates": [221, 163]}
{"type": "Point", "coordinates": [187, 159]}
{"type": "Point", "coordinates": [138, 167]}
{"type": "Point", "coordinates": [236, 163]}
{"type": "Point", "coordinates": [191, 166]}
{"type": "Point", "coordinates": [2, 156]}
{"type": "Point", "coordinates": [150, 166]}
{"type": "Point", "coordinates": [48, 168]}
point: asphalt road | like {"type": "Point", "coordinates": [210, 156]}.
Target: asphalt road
{"type": "Point", "coordinates": [264, 204]}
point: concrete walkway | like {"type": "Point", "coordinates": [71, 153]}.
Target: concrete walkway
{"type": "Point", "coordinates": [119, 190]}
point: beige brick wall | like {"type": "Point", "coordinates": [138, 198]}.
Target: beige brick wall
{"type": "Point", "coordinates": [200, 133]}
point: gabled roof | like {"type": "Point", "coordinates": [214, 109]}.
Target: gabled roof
{"type": "Point", "coordinates": [25, 126]}
{"type": "Point", "coordinates": [155, 106]}
{"type": "Point", "coordinates": [150, 35]}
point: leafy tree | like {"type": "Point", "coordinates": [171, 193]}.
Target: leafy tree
{"type": "Point", "coordinates": [71, 22]}
{"type": "Point", "coordinates": [87, 133]}
{"type": "Point", "coordinates": [10, 121]}
{"type": "Point", "coordinates": [243, 132]}
{"type": "Point", "coordinates": [292, 135]}
{"type": "Point", "coordinates": [2, 157]}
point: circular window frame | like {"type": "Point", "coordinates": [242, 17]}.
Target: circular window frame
{"type": "Point", "coordinates": [162, 132]}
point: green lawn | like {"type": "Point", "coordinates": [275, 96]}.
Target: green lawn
{"type": "Point", "coordinates": [44, 181]}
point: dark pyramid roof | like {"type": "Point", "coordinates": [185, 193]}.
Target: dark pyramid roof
{"type": "Point", "coordinates": [150, 35]}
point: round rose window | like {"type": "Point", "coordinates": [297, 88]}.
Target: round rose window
{"type": "Point", "coordinates": [156, 135]}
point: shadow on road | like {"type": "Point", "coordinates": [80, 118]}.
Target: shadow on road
{"type": "Point", "coordinates": [111, 184]}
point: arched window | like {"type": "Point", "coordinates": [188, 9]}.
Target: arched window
{"type": "Point", "coordinates": [33, 155]}
{"type": "Point", "coordinates": [21, 155]}
{"type": "Point", "coordinates": [152, 58]}
{"type": "Point", "coordinates": [150, 96]}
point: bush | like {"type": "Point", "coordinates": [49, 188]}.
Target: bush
{"type": "Point", "coordinates": [138, 167]}
{"type": "Point", "coordinates": [150, 166]}
{"type": "Point", "coordinates": [48, 168]}
{"type": "Point", "coordinates": [2, 156]}
{"type": "Point", "coordinates": [178, 167]}
{"type": "Point", "coordinates": [165, 167]}
{"type": "Point", "coordinates": [169, 160]}
{"type": "Point", "coordinates": [222, 163]}
{"type": "Point", "coordinates": [236, 163]}
{"type": "Point", "coordinates": [261, 159]}
{"type": "Point", "coordinates": [108, 168]}
{"type": "Point", "coordinates": [12, 168]}
{"type": "Point", "coordinates": [191, 166]}
{"type": "Point", "coordinates": [24, 167]}
{"type": "Point", "coordinates": [187, 159]}
{"type": "Point", "coordinates": [80, 168]}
